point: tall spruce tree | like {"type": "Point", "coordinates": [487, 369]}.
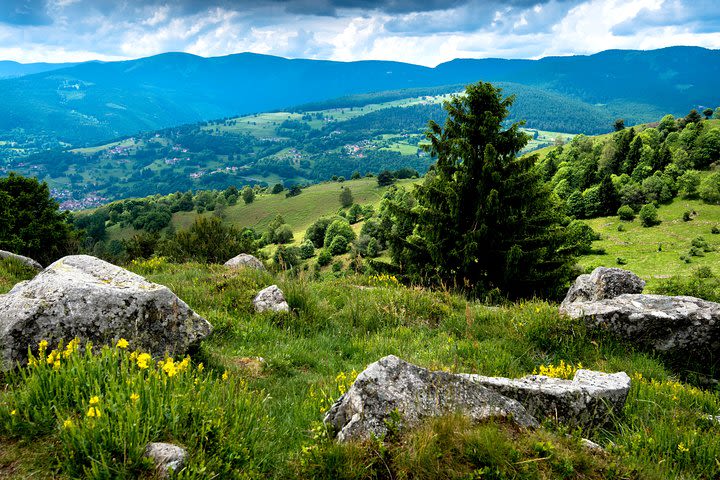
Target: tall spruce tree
{"type": "Point", "coordinates": [484, 218]}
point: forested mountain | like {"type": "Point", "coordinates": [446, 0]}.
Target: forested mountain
{"type": "Point", "coordinates": [95, 101]}
{"type": "Point", "coordinates": [10, 69]}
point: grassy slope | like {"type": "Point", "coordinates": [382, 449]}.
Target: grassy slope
{"type": "Point", "coordinates": [299, 212]}
{"type": "Point", "coordinates": [639, 246]}
{"type": "Point", "coordinates": [337, 327]}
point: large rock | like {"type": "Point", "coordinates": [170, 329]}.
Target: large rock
{"type": "Point", "coordinates": [270, 299]}
{"type": "Point", "coordinates": [674, 325]}
{"type": "Point", "coordinates": [603, 283]}
{"type": "Point", "coordinates": [245, 261]}
{"type": "Point", "coordinates": [28, 262]}
{"type": "Point", "coordinates": [589, 399]}
{"type": "Point", "coordinates": [85, 297]}
{"type": "Point", "coordinates": [416, 393]}
{"type": "Point", "coordinates": [166, 457]}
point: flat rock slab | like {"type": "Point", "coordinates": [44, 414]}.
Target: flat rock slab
{"type": "Point", "coordinates": [674, 325]}
{"type": "Point", "coordinates": [28, 262]}
{"type": "Point", "coordinates": [166, 457]}
{"type": "Point", "coordinates": [245, 261]}
{"type": "Point", "coordinates": [589, 399]}
{"type": "Point", "coordinates": [83, 296]}
{"type": "Point", "coordinates": [391, 384]}
{"type": "Point", "coordinates": [270, 299]}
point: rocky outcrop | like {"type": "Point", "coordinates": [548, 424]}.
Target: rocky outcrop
{"type": "Point", "coordinates": [392, 384]}
{"type": "Point", "coordinates": [166, 457]}
{"type": "Point", "coordinates": [603, 283]}
{"type": "Point", "coordinates": [673, 325]}
{"type": "Point", "coordinates": [245, 261]}
{"type": "Point", "coordinates": [610, 299]}
{"type": "Point", "coordinates": [270, 299]}
{"type": "Point", "coordinates": [589, 399]}
{"type": "Point", "coordinates": [28, 262]}
{"type": "Point", "coordinates": [85, 297]}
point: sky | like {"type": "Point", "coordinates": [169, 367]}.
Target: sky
{"type": "Point", "coordinates": [426, 32]}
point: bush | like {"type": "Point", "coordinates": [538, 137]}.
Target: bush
{"type": "Point", "coordinates": [710, 188]}
{"type": "Point", "coordinates": [385, 178]}
{"type": "Point", "coordinates": [277, 188]}
{"type": "Point", "coordinates": [626, 213]}
{"type": "Point", "coordinates": [620, 261]}
{"type": "Point", "coordinates": [207, 240]}
{"type": "Point", "coordinates": [621, 228]}
{"type": "Point", "coordinates": [687, 216]}
{"type": "Point", "coordinates": [248, 194]}
{"type": "Point", "coordinates": [339, 227]}
{"type": "Point", "coordinates": [339, 245]}
{"type": "Point", "coordinates": [648, 215]}
{"type": "Point", "coordinates": [286, 257]}
{"type": "Point", "coordinates": [283, 234]}
{"type": "Point", "coordinates": [307, 250]}
{"type": "Point", "coordinates": [316, 232]}
{"type": "Point", "coordinates": [715, 230]}
{"type": "Point", "coordinates": [324, 257]}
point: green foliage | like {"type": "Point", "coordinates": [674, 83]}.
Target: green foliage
{"type": "Point", "coordinates": [248, 194]}
{"type": "Point", "coordinates": [316, 232]}
{"type": "Point", "coordinates": [307, 249]}
{"type": "Point", "coordinates": [103, 405]}
{"type": "Point", "coordinates": [704, 283]}
{"type": "Point", "coordinates": [385, 178]}
{"type": "Point", "coordinates": [287, 257]}
{"type": "Point", "coordinates": [340, 227]}
{"type": "Point", "coordinates": [324, 257]}
{"type": "Point", "coordinates": [208, 240]}
{"type": "Point", "coordinates": [346, 197]}
{"type": "Point", "coordinates": [30, 221]}
{"type": "Point", "coordinates": [283, 234]}
{"type": "Point", "coordinates": [580, 235]}
{"type": "Point", "coordinates": [688, 184]}
{"type": "Point", "coordinates": [338, 245]}
{"type": "Point", "coordinates": [648, 215]}
{"type": "Point", "coordinates": [13, 271]}
{"type": "Point", "coordinates": [277, 188]}
{"type": "Point", "coordinates": [709, 189]}
{"type": "Point", "coordinates": [626, 213]}
{"type": "Point", "coordinates": [485, 218]}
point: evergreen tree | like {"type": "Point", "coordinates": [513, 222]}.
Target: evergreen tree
{"type": "Point", "coordinates": [609, 200]}
{"type": "Point", "coordinates": [485, 220]}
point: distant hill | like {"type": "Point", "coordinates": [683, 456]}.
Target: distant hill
{"type": "Point", "coordinates": [94, 101]}
{"type": "Point", "coordinates": [10, 69]}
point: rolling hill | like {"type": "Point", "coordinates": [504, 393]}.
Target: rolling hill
{"type": "Point", "coordinates": [95, 101]}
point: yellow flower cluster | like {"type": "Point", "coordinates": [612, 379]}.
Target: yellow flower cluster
{"type": "Point", "coordinates": [384, 280]}
{"type": "Point", "coordinates": [171, 368]}
{"type": "Point", "coordinates": [53, 358]}
{"type": "Point", "coordinates": [150, 265]}
{"type": "Point", "coordinates": [561, 370]}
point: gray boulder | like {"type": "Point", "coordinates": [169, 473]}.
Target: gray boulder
{"type": "Point", "coordinates": [28, 262]}
{"type": "Point", "coordinates": [603, 283]}
{"type": "Point", "coordinates": [589, 399]}
{"type": "Point", "coordinates": [674, 325]}
{"type": "Point", "coordinates": [416, 393]}
{"type": "Point", "coordinates": [82, 296]}
{"type": "Point", "coordinates": [166, 457]}
{"type": "Point", "coordinates": [270, 299]}
{"type": "Point", "coordinates": [245, 261]}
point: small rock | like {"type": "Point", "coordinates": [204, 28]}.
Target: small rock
{"type": "Point", "coordinates": [28, 262]}
{"type": "Point", "coordinates": [166, 457]}
{"type": "Point", "coordinates": [603, 283]}
{"type": "Point", "coordinates": [391, 384]}
{"type": "Point", "coordinates": [245, 260]}
{"type": "Point", "coordinates": [85, 297]}
{"type": "Point", "coordinates": [270, 299]}
{"type": "Point", "coordinates": [590, 445]}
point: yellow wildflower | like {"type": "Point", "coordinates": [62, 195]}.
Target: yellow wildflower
{"type": "Point", "coordinates": [94, 400]}
{"type": "Point", "coordinates": [13, 413]}
{"type": "Point", "coordinates": [122, 343]}
{"type": "Point", "coordinates": [93, 412]}
{"type": "Point", "coordinates": [200, 367]}
{"type": "Point", "coordinates": [68, 423]}
{"type": "Point", "coordinates": [134, 355]}
{"type": "Point", "coordinates": [56, 364]}
{"type": "Point", "coordinates": [225, 375]}
{"type": "Point", "coordinates": [42, 346]}
{"type": "Point", "coordinates": [134, 397]}
{"type": "Point", "coordinates": [682, 448]}
{"type": "Point", "coordinates": [142, 360]}
{"type": "Point", "coordinates": [170, 368]}
{"type": "Point", "coordinates": [71, 347]}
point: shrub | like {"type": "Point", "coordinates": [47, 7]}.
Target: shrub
{"type": "Point", "coordinates": [277, 188]}
{"type": "Point", "coordinates": [687, 216]}
{"type": "Point", "coordinates": [346, 197]}
{"type": "Point", "coordinates": [286, 257]}
{"type": "Point", "coordinates": [621, 228]}
{"type": "Point", "coordinates": [339, 245]}
{"type": "Point", "coordinates": [307, 250]}
{"type": "Point", "coordinates": [248, 194]}
{"type": "Point", "coordinates": [715, 230]}
{"type": "Point", "coordinates": [283, 234]}
{"type": "Point", "coordinates": [316, 232]}
{"type": "Point", "coordinates": [648, 215]}
{"type": "Point", "coordinates": [339, 227]}
{"type": "Point", "coordinates": [324, 257]}
{"type": "Point", "coordinates": [620, 261]}
{"type": "Point", "coordinates": [385, 178]}
{"type": "Point", "coordinates": [626, 213]}
{"type": "Point", "coordinates": [710, 188]}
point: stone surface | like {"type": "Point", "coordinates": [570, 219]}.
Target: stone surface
{"type": "Point", "coordinates": [603, 283]}
{"type": "Point", "coordinates": [29, 262]}
{"type": "Point", "coordinates": [270, 299]}
{"type": "Point", "coordinates": [590, 445]}
{"type": "Point", "coordinates": [166, 457]}
{"type": "Point", "coordinates": [245, 260]}
{"type": "Point", "coordinates": [674, 325]}
{"type": "Point", "coordinates": [589, 399]}
{"type": "Point", "coordinates": [83, 296]}
{"type": "Point", "coordinates": [416, 393]}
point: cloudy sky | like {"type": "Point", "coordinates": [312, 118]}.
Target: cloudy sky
{"type": "Point", "coordinates": [426, 32]}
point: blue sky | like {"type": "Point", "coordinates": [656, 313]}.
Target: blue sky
{"type": "Point", "coordinates": [426, 32]}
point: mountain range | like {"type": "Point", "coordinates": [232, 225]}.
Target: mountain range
{"type": "Point", "coordinates": [94, 101]}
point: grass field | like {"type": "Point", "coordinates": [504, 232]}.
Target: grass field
{"type": "Point", "coordinates": [299, 212]}
{"type": "Point", "coordinates": [336, 328]}
{"type": "Point", "coordinates": [654, 252]}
